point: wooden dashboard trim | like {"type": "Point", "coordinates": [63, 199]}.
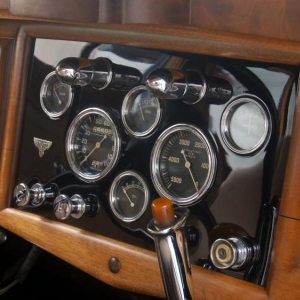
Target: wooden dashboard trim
{"type": "Point", "coordinates": [93, 251]}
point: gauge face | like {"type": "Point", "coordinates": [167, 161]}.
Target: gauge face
{"type": "Point", "coordinates": [55, 96]}
{"type": "Point", "coordinates": [245, 125]}
{"type": "Point", "coordinates": [141, 112]}
{"type": "Point", "coordinates": [183, 164]}
{"type": "Point", "coordinates": [93, 144]}
{"type": "Point", "coordinates": [129, 196]}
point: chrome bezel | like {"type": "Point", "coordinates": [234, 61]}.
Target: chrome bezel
{"type": "Point", "coordinates": [226, 121]}
{"type": "Point", "coordinates": [155, 166]}
{"type": "Point", "coordinates": [43, 90]}
{"type": "Point", "coordinates": [113, 191]}
{"type": "Point", "coordinates": [69, 146]}
{"type": "Point", "coordinates": [130, 96]}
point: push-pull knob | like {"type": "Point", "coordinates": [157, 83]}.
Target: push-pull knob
{"type": "Point", "coordinates": [167, 228]}
{"type": "Point", "coordinates": [234, 252]}
{"type": "Point", "coordinates": [75, 206]}
{"type": "Point", "coordinates": [99, 73]}
{"type": "Point", "coordinates": [35, 196]}
{"type": "Point", "coordinates": [189, 86]}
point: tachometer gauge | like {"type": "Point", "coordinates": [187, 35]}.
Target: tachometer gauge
{"type": "Point", "coordinates": [93, 144]}
{"type": "Point", "coordinates": [141, 112]}
{"type": "Point", "coordinates": [183, 164]}
{"type": "Point", "coordinates": [55, 96]}
{"type": "Point", "coordinates": [129, 196]}
{"type": "Point", "coordinates": [246, 125]}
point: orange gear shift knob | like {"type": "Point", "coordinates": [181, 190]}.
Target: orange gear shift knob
{"type": "Point", "coordinates": [163, 212]}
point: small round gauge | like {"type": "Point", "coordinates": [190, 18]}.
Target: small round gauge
{"type": "Point", "coordinates": [129, 196]}
{"type": "Point", "coordinates": [246, 125]}
{"type": "Point", "coordinates": [183, 164]}
{"type": "Point", "coordinates": [55, 96]}
{"type": "Point", "coordinates": [141, 112]}
{"type": "Point", "coordinates": [93, 144]}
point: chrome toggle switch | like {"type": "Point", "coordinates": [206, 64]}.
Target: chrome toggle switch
{"type": "Point", "coordinates": [75, 206]}
{"type": "Point", "coordinates": [99, 73]}
{"type": "Point", "coordinates": [35, 196]}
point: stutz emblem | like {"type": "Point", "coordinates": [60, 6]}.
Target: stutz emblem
{"type": "Point", "coordinates": [42, 145]}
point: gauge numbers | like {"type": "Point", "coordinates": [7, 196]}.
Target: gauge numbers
{"type": "Point", "coordinates": [93, 144]}
{"type": "Point", "coordinates": [129, 196]}
{"type": "Point", "coordinates": [55, 96]}
{"type": "Point", "coordinates": [246, 125]}
{"type": "Point", "coordinates": [183, 164]}
{"type": "Point", "coordinates": [141, 112]}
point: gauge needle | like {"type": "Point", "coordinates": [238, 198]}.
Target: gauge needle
{"type": "Point", "coordinates": [56, 94]}
{"type": "Point", "coordinates": [124, 191]}
{"type": "Point", "coordinates": [143, 117]}
{"type": "Point", "coordinates": [188, 166]}
{"type": "Point", "coordinates": [97, 146]}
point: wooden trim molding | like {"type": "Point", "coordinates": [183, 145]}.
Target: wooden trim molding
{"type": "Point", "coordinates": [139, 268]}
{"type": "Point", "coordinates": [93, 251]}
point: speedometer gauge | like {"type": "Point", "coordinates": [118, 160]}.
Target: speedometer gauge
{"type": "Point", "coordinates": [246, 125]}
{"type": "Point", "coordinates": [93, 144]}
{"type": "Point", "coordinates": [183, 164]}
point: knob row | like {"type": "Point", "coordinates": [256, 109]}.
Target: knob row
{"type": "Point", "coordinates": [63, 205]}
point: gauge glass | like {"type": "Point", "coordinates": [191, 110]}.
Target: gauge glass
{"type": "Point", "coordinates": [55, 96]}
{"type": "Point", "coordinates": [183, 164]}
{"type": "Point", "coordinates": [141, 112]}
{"type": "Point", "coordinates": [129, 196]}
{"type": "Point", "coordinates": [245, 125]}
{"type": "Point", "coordinates": [93, 144]}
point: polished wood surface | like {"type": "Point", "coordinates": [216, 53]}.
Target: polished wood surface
{"type": "Point", "coordinates": [6, 48]}
{"type": "Point", "coordinates": [290, 205]}
{"type": "Point", "coordinates": [283, 281]}
{"type": "Point", "coordinates": [267, 18]}
{"type": "Point", "coordinates": [67, 10]}
{"type": "Point", "coordinates": [139, 268]}
{"type": "Point", "coordinates": [92, 251]}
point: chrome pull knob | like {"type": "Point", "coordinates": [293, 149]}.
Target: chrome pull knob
{"type": "Point", "coordinates": [75, 206]}
{"type": "Point", "coordinates": [99, 73]}
{"type": "Point", "coordinates": [234, 253]}
{"type": "Point", "coordinates": [35, 196]}
{"type": "Point", "coordinates": [190, 86]}
{"type": "Point", "coordinates": [171, 247]}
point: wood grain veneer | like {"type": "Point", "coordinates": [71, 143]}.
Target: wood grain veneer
{"type": "Point", "coordinates": [139, 268]}
{"type": "Point", "coordinates": [267, 18]}
{"type": "Point", "coordinates": [6, 47]}
{"type": "Point", "coordinates": [90, 252]}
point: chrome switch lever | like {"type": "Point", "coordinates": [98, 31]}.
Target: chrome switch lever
{"type": "Point", "coordinates": [75, 206]}
{"type": "Point", "coordinates": [190, 86]}
{"type": "Point", "coordinates": [35, 196]}
{"type": "Point", "coordinates": [99, 73]}
{"type": "Point", "coordinates": [171, 247]}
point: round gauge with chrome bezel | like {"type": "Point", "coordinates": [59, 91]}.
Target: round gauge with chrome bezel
{"type": "Point", "coordinates": [93, 144]}
{"type": "Point", "coordinates": [183, 164]}
{"type": "Point", "coordinates": [141, 112]}
{"type": "Point", "coordinates": [55, 96]}
{"type": "Point", "coordinates": [246, 125]}
{"type": "Point", "coordinates": [129, 196]}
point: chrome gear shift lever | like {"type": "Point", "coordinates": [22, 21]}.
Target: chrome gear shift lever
{"type": "Point", "coordinates": [171, 247]}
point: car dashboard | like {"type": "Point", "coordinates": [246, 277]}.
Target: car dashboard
{"type": "Point", "coordinates": [240, 134]}
{"type": "Point", "coordinates": [82, 161]}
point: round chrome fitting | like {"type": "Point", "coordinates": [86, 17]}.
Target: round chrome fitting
{"type": "Point", "coordinates": [232, 253]}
